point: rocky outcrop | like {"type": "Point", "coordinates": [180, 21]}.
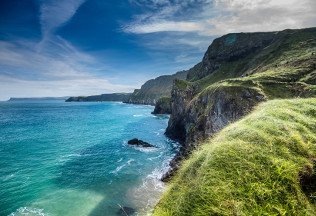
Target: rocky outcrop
{"type": "Point", "coordinates": [98, 98]}
{"type": "Point", "coordinates": [196, 118]}
{"type": "Point", "coordinates": [215, 108]}
{"type": "Point", "coordinates": [153, 89]}
{"type": "Point", "coordinates": [163, 106]}
{"type": "Point", "coordinates": [141, 143]}
{"type": "Point", "coordinates": [182, 93]}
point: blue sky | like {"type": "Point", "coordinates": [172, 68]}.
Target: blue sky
{"type": "Point", "coordinates": [84, 47]}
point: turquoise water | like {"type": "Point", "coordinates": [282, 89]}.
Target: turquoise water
{"type": "Point", "coordinates": [60, 158]}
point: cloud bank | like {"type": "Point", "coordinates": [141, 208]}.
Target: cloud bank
{"type": "Point", "coordinates": [219, 17]}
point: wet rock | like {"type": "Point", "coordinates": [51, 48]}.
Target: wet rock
{"type": "Point", "coordinates": [174, 166]}
{"type": "Point", "coordinates": [138, 142]}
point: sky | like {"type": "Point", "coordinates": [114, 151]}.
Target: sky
{"type": "Point", "coordinates": [86, 47]}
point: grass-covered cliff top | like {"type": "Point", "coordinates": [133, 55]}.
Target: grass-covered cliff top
{"type": "Point", "coordinates": [260, 165]}
{"type": "Point", "coordinates": [289, 56]}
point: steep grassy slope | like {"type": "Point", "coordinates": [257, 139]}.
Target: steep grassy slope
{"type": "Point", "coordinates": [261, 165]}
{"type": "Point", "coordinates": [154, 89]}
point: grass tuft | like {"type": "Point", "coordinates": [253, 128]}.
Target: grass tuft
{"type": "Point", "coordinates": [256, 166]}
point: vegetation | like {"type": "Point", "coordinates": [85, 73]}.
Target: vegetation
{"type": "Point", "coordinates": [260, 165]}
{"type": "Point", "coordinates": [181, 84]}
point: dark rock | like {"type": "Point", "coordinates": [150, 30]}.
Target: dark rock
{"type": "Point", "coordinates": [137, 142]}
{"type": "Point", "coordinates": [308, 180]}
{"type": "Point", "coordinates": [163, 106]}
{"type": "Point", "coordinates": [194, 120]}
{"type": "Point", "coordinates": [126, 211]}
{"type": "Point", "coordinates": [180, 96]}
{"type": "Point", "coordinates": [174, 166]}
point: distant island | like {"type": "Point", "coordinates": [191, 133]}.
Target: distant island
{"type": "Point", "coordinates": [99, 98]}
{"type": "Point", "coordinates": [37, 98]}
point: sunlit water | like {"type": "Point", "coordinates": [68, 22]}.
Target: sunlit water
{"type": "Point", "coordinates": [60, 158]}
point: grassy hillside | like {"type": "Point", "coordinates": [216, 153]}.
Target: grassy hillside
{"type": "Point", "coordinates": [260, 165]}
{"type": "Point", "coordinates": [289, 51]}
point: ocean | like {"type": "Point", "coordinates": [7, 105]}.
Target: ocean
{"type": "Point", "coordinates": [59, 158]}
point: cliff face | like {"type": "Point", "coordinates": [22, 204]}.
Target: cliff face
{"type": "Point", "coordinates": [152, 90]}
{"type": "Point", "coordinates": [97, 98]}
{"type": "Point", "coordinates": [230, 48]}
{"type": "Point", "coordinates": [237, 72]}
{"type": "Point", "coordinates": [196, 119]}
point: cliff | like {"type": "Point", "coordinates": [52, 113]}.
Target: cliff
{"type": "Point", "coordinates": [98, 98]}
{"type": "Point", "coordinates": [237, 72]}
{"type": "Point", "coordinates": [154, 89]}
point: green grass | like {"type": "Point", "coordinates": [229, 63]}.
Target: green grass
{"type": "Point", "coordinates": [252, 167]}
{"type": "Point", "coordinates": [181, 84]}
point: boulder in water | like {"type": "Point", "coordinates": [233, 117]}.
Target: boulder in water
{"type": "Point", "coordinates": [138, 142]}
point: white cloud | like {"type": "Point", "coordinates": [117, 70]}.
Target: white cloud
{"type": "Point", "coordinates": [259, 15]}
{"type": "Point", "coordinates": [164, 26]}
{"type": "Point", "coordinates": [55, 13]}
{"type": "Point", "coordinates": [225, 16]}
